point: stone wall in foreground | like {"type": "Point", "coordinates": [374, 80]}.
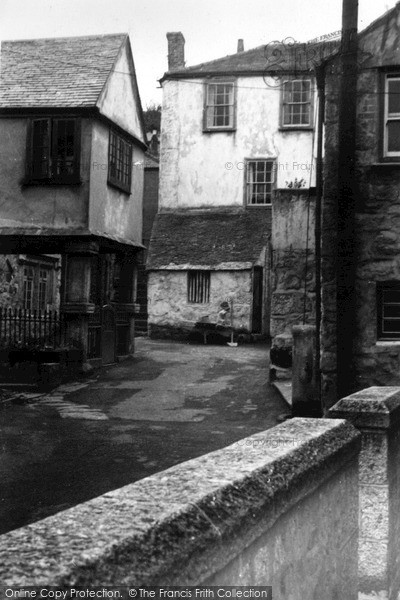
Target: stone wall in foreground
{"type": "Point", "coordinates": [279, 509]}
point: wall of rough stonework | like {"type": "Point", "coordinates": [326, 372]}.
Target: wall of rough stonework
{"type": "Point", "coordinates": [377, 231]}
{"type": "Point", "coordinates": [279, 509]}
{"type": "Point", "coordinates": [10, 280]}
{"type": "Point", "coordinates": [293, 260]}
{"type": "Point", "coordinates": [169, 307]}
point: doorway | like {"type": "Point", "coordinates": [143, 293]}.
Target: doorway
{"type": "Point", "coordinates": [257, 300]}
{"type": "Point", "coordinates": [108, 335]}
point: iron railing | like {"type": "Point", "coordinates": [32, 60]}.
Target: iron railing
{"type": "Point", "coordinates": [20, 327]}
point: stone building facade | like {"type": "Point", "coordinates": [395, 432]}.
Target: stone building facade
{"type": "Point", "coordinates": [234, 134]}
{"type": "Point", "coordinates": [376, 343]}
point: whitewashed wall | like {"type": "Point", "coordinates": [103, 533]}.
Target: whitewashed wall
{"type": "Point", "coordinates": [207, 169]}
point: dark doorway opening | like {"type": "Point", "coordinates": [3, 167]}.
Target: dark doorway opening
{"type": "Point", "coordinates": [257, 300]}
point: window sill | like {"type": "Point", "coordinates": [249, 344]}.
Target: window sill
{"type": "Point", "coordinates": [251, 206]}
{"type": "Point", "coordinates": [50, 182]}
{"type": "Point", "coordinates": [389, 164]}
{"type": "Point", "coordinates": [296, 128]}
{"type": "Point", "coordinates": [388, 343]}
{"type": "Point", "coordinates": [220, 130]}
{"type": "Point", "coordinates": [118, 187]}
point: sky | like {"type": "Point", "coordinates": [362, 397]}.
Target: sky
{"type": "Point", "coordinates": [211, 27]}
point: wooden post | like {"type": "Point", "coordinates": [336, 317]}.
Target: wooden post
{"type": "Point", "coordinates": [345, 273]}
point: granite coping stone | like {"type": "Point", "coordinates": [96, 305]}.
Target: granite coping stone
{"type": "Point", "coordinates": [371, 408]}
{"type": "Point", "coordinates": [156, 531]}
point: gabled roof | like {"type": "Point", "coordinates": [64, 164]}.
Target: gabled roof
{"type": "Point", "coordinates": [274, 57]}
{"type": "Point", "coordinates": [57, 72]}
{"type": "Point", "coordinates": [224, 239]}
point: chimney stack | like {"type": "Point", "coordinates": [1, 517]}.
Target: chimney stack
{"type": "Point", "coordinates": [176, 50]}
{"type": "Point", "coordinates": [240, 46]}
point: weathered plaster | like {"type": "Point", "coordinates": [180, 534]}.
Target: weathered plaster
{"type": "Point", "coordinates": [117, 100]}
{"type": "Point", "coordinates": [113, 211]}
{"type": "Point", "coordinates": [56, 206]}
{"type": "Point", "coordinates": [167, 297]}
{"type": "Point", "coordinates": [207, 158]}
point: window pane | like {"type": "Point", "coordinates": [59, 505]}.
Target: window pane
{"type": "Point", "coordinates": [393, 133]}
{"type": "Point", "coordinates": [64, 146]}
{"type": "Point", "coordinates": [120, 161]}
{"type": "Point", "coordinates": [391, 326]}
{"type": "Point", "coordinates": [296, 102]}
{"type": "Point", "coordinates": [391, 311]}
{"type": "Point", "coordinates": [40, 148]}
{"type": "Point", "coordinates": [394, 96]}
{"type": "Point", "coordinates": [259, 179]}
{"type": "Point", "coordinates": [219, 107]}
{"type": "Point", "coordinates": [391, 296]}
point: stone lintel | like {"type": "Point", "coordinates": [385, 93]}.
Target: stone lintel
{"type": "Point", "coordinates": [372, 408]}
{"type": "Point", "coordinates": [162, 529]}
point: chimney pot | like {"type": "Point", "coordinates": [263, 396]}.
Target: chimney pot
{"type": "Point", "coordinates": [176, 50]}
{"type": "Point", "coordinates": [240, 46]}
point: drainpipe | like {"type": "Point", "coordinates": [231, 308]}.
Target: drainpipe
{"type": "Point", "coordinates": [345, 256]}
{"type": "Point", "coordinates": [320, 77]}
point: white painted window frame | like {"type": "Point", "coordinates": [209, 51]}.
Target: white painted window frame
{"type": "Point", "coordinates": [249, 184]}
{"type": "Point", "coordinates": [387, 117]}
{"type": "Point", "coordinates": [309, 102]}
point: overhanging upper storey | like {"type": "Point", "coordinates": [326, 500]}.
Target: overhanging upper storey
{"type": "Point", "coordinates": [86, 75]}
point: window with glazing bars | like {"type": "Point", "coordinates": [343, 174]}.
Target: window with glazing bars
{"type": "Point", "coordinates": [219, 106]}
{"type": "Point", "coordinates": [388, 309]}
{"type": "Point", "coordinates": [43, 288]}
{"type": "Point", "coordinates": [53, 150]}
{"type": "Point", "coordinates": [120, 162]}
{"type": "Point", "coordinates": [392, 115]}
{"type": "Point", "coordinates": [296, 103]}
{"type": "Point", "coordinates": [199, 287]}
{"type": "Point", "coordinates": [260, 175]}
{"type": "Point", "coordinates": [28, 288]}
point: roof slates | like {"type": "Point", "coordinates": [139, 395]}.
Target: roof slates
{"type": "Point", "coordinates": [56, 72]}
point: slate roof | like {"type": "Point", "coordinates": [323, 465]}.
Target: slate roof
{"type": "Point", "coordinates": [208, 238]}
{"type": "Point", "coordinates": [273, 57]}
{"type": "Point", "coordinates": [56, 72]}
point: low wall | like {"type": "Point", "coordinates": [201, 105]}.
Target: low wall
{"type": "Point", "coordinates": [375, 412]}
{"type": "Point", "coordinates": [278, 508]}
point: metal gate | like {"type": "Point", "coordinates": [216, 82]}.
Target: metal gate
{"type": "Point", "coordinates": [108, 334]}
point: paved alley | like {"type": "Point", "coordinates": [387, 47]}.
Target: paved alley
{"type": "Point", "coordinates": [170, 403]}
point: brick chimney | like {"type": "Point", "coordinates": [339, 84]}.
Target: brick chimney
{"type": "Point", "coordinates": [240, 46]}
{"type": "Point", "coordinates": [176, 50]}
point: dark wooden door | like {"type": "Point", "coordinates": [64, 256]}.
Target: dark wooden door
{"type": "Point", "coordinates": [108, 334]}
{"type": "Point", "coordinates": [257, 299]}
